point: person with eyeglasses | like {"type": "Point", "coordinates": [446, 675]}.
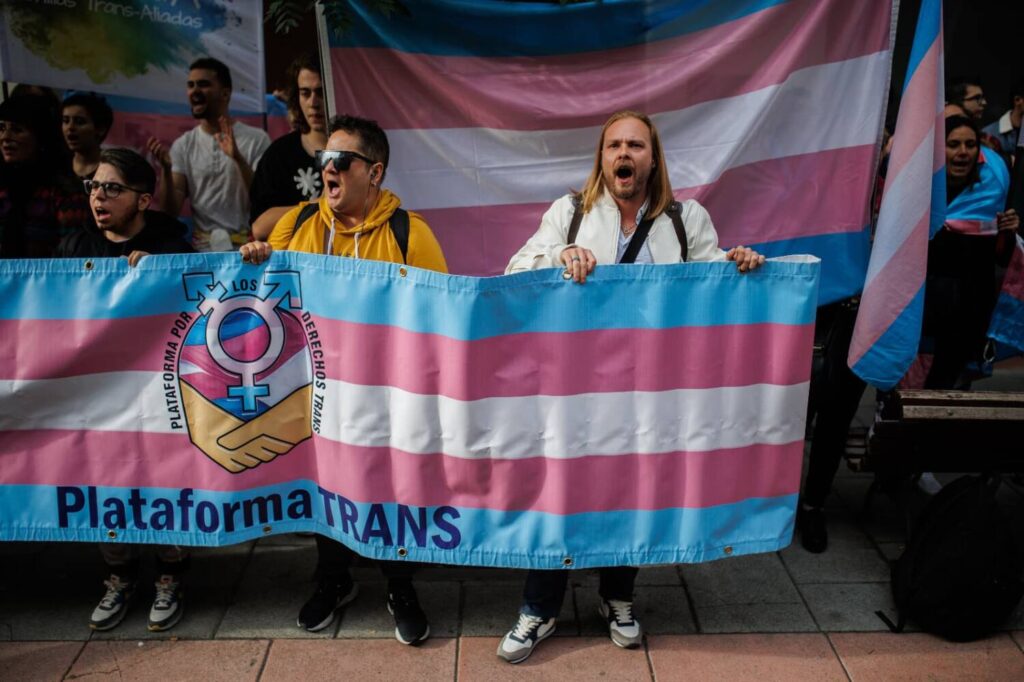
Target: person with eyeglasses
{"type": "Point", "coordinates": [969, 96]}
{"type": "Point", "coordinates": [120, 193]}
{"type": "Point", "coordinates": [40, 199]}
{"type": "Point", "coordinates": [355, 217]}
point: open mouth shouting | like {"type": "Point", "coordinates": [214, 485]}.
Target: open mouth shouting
{"type": "Point", "coordinates": [101, 215]}
{"type": "Point", "coordinates": [198, 103]}
{"type": "Point", "coordinates": [333, 188]}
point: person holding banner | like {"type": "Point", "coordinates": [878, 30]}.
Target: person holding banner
{"type": "Point", "coordinates": [120, 193]}
{"type": "Point", "coordinates": [211, 165]}
{"type": "Point", "coordinates": [625, 214]}
{"type": "Point", "coordinates": [355, 217]}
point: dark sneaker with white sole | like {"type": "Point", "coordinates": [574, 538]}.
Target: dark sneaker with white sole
{"type": "Point", "coordinates": [114, 605]}
{"type": "Point", "coordinates": [411, 626]}
{"type": "Point", "coordinates": [529, 631]}
{"type": "Point", "coordinates": [318, 612]}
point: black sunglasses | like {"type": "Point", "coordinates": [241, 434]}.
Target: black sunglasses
{"type": "Point", "coordinates": [110, 189]}
{"type": "Point", "coordinates": [342, 160]}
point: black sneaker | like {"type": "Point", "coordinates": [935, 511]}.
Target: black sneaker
{"type": "Point", "coordinates": [411, 625]}
{"type": "Point", "coordinates": [811, 524]}
{"type": "Point", "coordinates": [318, 612]}
{"type": "Point", "coordinates": [114, 605]}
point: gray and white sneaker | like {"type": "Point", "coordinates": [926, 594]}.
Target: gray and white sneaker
{"type": "Point", "coordinates": [168, 604]}
{"type": "Point", "coordinates": [114, 605]}
{"type": "Point", "coordinates": [623, 627]}
{"type": "Point", "coordinates": [519, 643]}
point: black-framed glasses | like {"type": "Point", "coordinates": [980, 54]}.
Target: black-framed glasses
{"type": "Point", "coordinates": [975, 98]}
{"type": "Point", "coordinates": [342, 160]}
{"type": "Point", "coordinates": [110, 189]}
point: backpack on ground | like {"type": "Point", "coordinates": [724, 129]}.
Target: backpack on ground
{"type": "Point", "coordinates": [961, 573]}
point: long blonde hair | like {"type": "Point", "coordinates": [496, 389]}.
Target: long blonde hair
{"type": "Point", "coordinates": [658, 186]}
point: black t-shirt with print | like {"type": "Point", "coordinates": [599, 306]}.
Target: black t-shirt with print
{"type": "Point", "coordinates": [286, 175]}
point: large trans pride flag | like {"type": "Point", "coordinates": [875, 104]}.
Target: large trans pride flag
{"type": "Point", "coordinates": [654, 414]}
{"type": "Point", "coordinates": [770, 112]}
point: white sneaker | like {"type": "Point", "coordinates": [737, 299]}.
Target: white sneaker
{"type": "Point", "coordinates": [624, 629]}
{"type": "Point", "coordinates": [519, 643]}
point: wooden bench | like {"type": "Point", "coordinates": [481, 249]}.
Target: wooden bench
{"type": "Point", "coordinates": [946, 431]}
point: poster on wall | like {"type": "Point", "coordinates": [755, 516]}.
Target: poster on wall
{"type": "Point", "coordinates": [140, 48]}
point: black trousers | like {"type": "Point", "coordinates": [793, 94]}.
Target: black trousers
{"type": "Point", "coordinates": [837, 392]}
{"type": "Point", "coordinates": [334, 560]}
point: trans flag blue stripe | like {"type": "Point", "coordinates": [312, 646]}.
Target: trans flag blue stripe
{"type": "Point", "coordinates": [449, 535]}
{"type": "Point", "coordinates": [372, 292]}
{"type": "Point", "coordinates": [491, 28]}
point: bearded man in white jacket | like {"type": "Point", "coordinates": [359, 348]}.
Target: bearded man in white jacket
{"type": "Point", "coordinates": [627, 199]}
{"type": "Point", "coordinates": [628, 184]}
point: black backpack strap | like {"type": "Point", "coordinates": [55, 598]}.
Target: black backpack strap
{"type": "Point", "coordinates": [399, 224]}
{"type": "Point", "coordinates": [639, 237]}
{"type": "Point", "coordinates": [577, 218]}
{"type": "Point", "coordinates": [675, 212]}
{"type": "Point", "coordinates": [308, 211]}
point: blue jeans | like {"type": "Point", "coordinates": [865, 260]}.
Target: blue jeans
{"type": "Point", "coordinates": [545, 590]}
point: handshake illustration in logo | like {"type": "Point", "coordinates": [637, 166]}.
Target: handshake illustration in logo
{"type": "Point", "coordinates": [244, 370]}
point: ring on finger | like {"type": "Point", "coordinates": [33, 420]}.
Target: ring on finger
{"type": "Point", "coordinates": [575, 259]}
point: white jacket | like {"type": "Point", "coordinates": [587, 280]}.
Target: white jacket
{"type": "Point", "coordinates": [599, 232]}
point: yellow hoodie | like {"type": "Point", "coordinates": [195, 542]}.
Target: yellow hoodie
{"type": "Point", "coordinates": [372, 239]}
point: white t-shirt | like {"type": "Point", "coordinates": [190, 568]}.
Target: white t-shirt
{"type": "Point", "coordinates": [216, 190]}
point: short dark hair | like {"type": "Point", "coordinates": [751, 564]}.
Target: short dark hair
{"type": "Point", "coordinates": [957, 90]}
{"type": "Point", "coordinates": [217, 66]}
{"type": "Point", "coordinates": [99, 111]}
{"type": "Point", "coordinates": [373, 140]}
{"type": "Point", "coordinates": [309, 62]}
{"type": "Point", "coordinates": [136, 170]}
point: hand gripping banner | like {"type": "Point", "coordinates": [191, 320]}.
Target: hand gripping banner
{"type": "Point", "coordinates": [654, 414]}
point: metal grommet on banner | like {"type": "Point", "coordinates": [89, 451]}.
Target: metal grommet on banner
{"type": "Point", "coordinates": [266, 530]}
{"type": "Point", "coordinates": [566, 275]}
{"type": "Point", "coordinates": [567, 562]}
{"type": "Point", "coordinates": [89, 265]}
{"type": "Point", "coordinates": [402, 272]}
{"type": "Point", "coordinates": [112, 534]}
{"type": "Point", "coordinates": [728, 551]}
{"type": "Point", "coordinates": [403, 552]}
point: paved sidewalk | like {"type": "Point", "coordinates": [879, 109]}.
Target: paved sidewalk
{"type": "Point", "coordinates": [787, 615]}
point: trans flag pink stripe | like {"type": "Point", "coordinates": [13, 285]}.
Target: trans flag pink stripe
{"type": "Point", "coordinates": [512, 94]}
{"type": "Point", "coordinates": [781, 199]}
{"type": "Point", "coordinates": [627, 481]}
{"type": "Point", "coordinates": [500, 366]}
{"type": "Point", "coordinates": [888, 326]}
{"type": "Point", "coordinates": [484, 138]}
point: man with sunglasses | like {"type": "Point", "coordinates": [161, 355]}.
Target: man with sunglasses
{"type": "Point", "coordinates": [120, 193]}
{"type": "Point", "coordinates": [357, 218]}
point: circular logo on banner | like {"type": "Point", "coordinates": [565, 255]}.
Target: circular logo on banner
{"type": "Point", "coordinates": [244, 369]}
